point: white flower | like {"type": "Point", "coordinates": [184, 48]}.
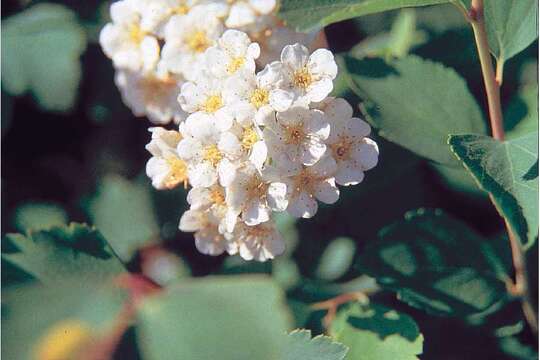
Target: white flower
{"type": "Point", "coordinates": [213, 199]}
{"type": "Point", "coordinates": [186, 39]}
{"type": "Point", "coordinates": [312, 183]}
{"type": "Point", "coordinates": [246, 12]}
{"type": "Point", "coordinates": [125, 42]}
{"type": "Point", "coordinates": [208, 239]}
{"type": "Point", "coordinates": [205, 99]}
{"type": "Point", "coordinates": [297, 137]}
{"type": "Point", "coordinates": [308, 77]}
{"type": "Point", "coordinates": [165, 168]}
{"type": "Point", "coordinates": [253, 196]}
{"type": "Point", "coordinates": [157, 13]}
{"type": "Point", "coordinates": [151, 94]}
{"type": "Point", "coordinates": [260, 242]}
{"type": "Point", "coordinates": [252, 144]}
{"type": "Point", "coordinates": [256, 97]}
{"type": "Point", "coordinates": [234, 52]}
{"type": "Point", "coordinates": [209, 153]}
{"type": "Point", "coordinates": [353, 151]}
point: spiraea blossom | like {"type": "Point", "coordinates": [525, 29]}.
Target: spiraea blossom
{"type": "Point", "coordinates": [258, 142]}
{"type": "Point", "coordinates": [156, 45]}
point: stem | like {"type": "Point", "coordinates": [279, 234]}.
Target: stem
{"type": "Point", "coordinates": [332, 304]}
{"type": "Point", "coordinates": [521, 285]}
{"type": "Point", "coordinates": [476, 15]}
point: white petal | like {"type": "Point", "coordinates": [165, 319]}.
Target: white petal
{"type": "Point", "coordinates": [277, 196]}
{"type": "Point", "coordinates": [223, 119]}
{"type": "Point", "coordinates": [263, 6]}
{"type": "Point", "coordinates": [190, 221]}
{"type": "Point", "coordinates": [317, 124]}
{"type": "Point", "coordinates": [322, 63]}
{"type": "Point", "coordinates": [312, 153]}
{"type": "Point", "coordinates": [320, 89]}
{"type": "Point", "coordinates": [189, 148]}
{"type": "Point", "coordinates": [229, 144]}
{"type": "Point", "coordinates": [302, 206]}
{"type": "Point", "coordinates": [240, 14]}
{"type": "Point", "coordinates": [349, 174]}
{"type": "Point", "coordinates": [255, 213]}
{"type": "Point", "coordinates": [325, 167]}
{"type": "Point", "coordinates": [209, 243]}
{"type": "Point", "coordinates": [227, 171]}
{"type": "Point", "coordinates": [367, 154]}
{"type": "Point", "coordinates": [294, 56]}
{"type": "Point", "coordinates": [326, 191]}
{"type": "Point", "coordinates": [150, 52]}
{"type": "Point", "coordinates": [259, 153]}
{"type": "Point", "coordinates": [202, 175]}
{"type": "Point", "coordinates": [358, 127]}
{"type": "Point", "coordinates": [280, 99]}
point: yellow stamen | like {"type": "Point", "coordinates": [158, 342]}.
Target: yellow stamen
{"type": "Point", "coordinates": [197, 41]}
{"type": "Point", "coordinates": [181, 10]}
{"type": "Point", "coordinates": [217, 196]}
{"type": "Point", "coordinates": [212, 104]}
{"type": "Point", "coordinates": [212, 154]}
{"type": "Point", "coordinates": [136, 34]}
{"type": "Point", "coordinates": [177, 173]}
{"type": "Point", "coordinates": [235, 64]}
{"type": "Point", "coordinates": [63, 341]}
{"type": "Point", "coordinates": [259, 97]}
{"type": "Point", "coordinates": [249, 138]}
{"type": "Point", "coordinates": [302, 78]}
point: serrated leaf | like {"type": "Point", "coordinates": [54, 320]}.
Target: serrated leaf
{"type": "Point", "coordinates": [508, 170]}
{"type": "Point", "coordinates": [123, 211]}
{"type": "Point", "coordinates": [37, 216]}
{"type": "Point", "coordinates": [300, 346]}
{"type": "Point", "coordinates": [306, 15]}
{"type": "Point", "coordinates": [436, 263]}
{"type": "Point", "coordinates": [63, 252]}
{"type": "Point", "coordinates": [41, 47]}
{"type": "Point", "coordinates": [220, 317]}
{"type": "Point", "coordinates": [415, 103]}
{"type": "Point", "coordinates": [511, 26]}
{"type": "Point", "coordinates": [376, 332]}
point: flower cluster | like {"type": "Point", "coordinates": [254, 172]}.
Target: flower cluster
{"type": "Point", "coordinates": [254, 143]}
{"type": "Point", "coordinates": [156, 45]}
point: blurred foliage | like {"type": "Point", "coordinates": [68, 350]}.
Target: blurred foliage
{"type": "Point", "coordinates": [73, 152]}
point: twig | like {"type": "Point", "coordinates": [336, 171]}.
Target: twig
{"type": "Point", "coordinates": [520, 287]}
{"type": "Point", "coordinates": [331, 305]}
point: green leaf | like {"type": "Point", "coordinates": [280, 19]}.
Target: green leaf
{"type": "Point", "coordinates": [63, 252]}
{"type": "Point", "coordinates": [336, 259]}
{"type": "Point", "coordinates": [240, 317]}
{"type": "Point", "coordinates": [436, 263]}
{"type": "Point", "coordinates": [508, 170]}
{"type": "Point", "coordinates": [415, 103]}
{"type": "Point", "coordinates": [41, 47]}
{"type": "Point", "coordinates": [31, 313]}
{"type": "Point", "coordinates": [376, 332]}
{"type": "Point", "coordinates": [511, 26]}
{"type": "Point", "coordinates": [300, 346]}
{"type": "Point", "coordinates": [37, 216]}
{"type": "Point", "coordinates": [124, 213]}
{"type": "Point", "coordinates": [397, 43]}
{"type": "Point", "coordinates": [306, 15]}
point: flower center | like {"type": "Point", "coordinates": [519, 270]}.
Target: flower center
{"type": "Point", "coordinates": [294, 134]}
{"type": "Point", "coordinates": [212, 154]}
{"type": "Point", "coordinates": [212, 104]}
{"type": "Point", "coordinates": [181, 9]}
{"type": "Point", "coordinates": [155, 89]}
{"type": "Point", "coordinates": [302, 78]}
{"type": "Point", "coordinates": [136, 34]}
{"type": "Point", "coordinates": [235, 64]}
{"type": "Point", "coordinates": [258, 231]}
{"type": "Point", "coordinates": [341, 149]}
{"type": "Point", "coordinates": [217, 196]}
{"type": "Point", "coordinates": [177, 173]}
{"type": "Point", "coordinates": [249, 138]}
{"type": "Point", "coordinates": [259, 97]}
{"type": "Point", "coordinates": [304, 182]}
{"type": "Point", "coordinates": [197, 41]}
{"type": "Point", "coordinates": [256, 188]}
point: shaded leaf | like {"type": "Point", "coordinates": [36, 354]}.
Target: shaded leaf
{"type": "Point", "coordinates": [436, 263]}
{"type": "Point", "coordinates": [63, 252]}
{"type": "Point", "coordinates": [240, 317]}
{"type": "Point", "coordinates": [336, 259]}
{"type": "Point", "coordinates": [305, 15]}
{"type": "Point", "coordinates": [418, 120]}
{"type": "Point", "coordinates": [376, 332]}
{"type": "Point", "coordinates": [41, 47]}
{"type": "Point", "coordinates": [300, 346]}
{"type": "Point", "coordinates": [521, 115]}
{"type": "Point", "coordinates": [124, 213]}
{"type": "Point", "coordinates": [511, 26]}
{"type": "Point", "coordinates": [508, 170]}
{"type": "Point", "coordinates": [37, 216]}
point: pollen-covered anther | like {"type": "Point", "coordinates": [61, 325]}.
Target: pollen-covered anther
{"type": "Point", "coordinates": [249, 138]}
{"type": "Point", "coordinates": [302, 78]}
{"type": "Point", "coordinates": [212, 154]}
{"type": "Point", "coordinates": [235, 64]}
{"type": "Point", "coordinates": [197, 41]}
{"type": "Point", "coordinates": [177, 173]}
{"type": "Point", "coordinates": [259, 97]}
{"type": "Point", "coordinates": [212, 104]}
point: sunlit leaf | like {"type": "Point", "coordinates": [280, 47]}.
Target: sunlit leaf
{"type": "Point", "coordinates": [300, 346]}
